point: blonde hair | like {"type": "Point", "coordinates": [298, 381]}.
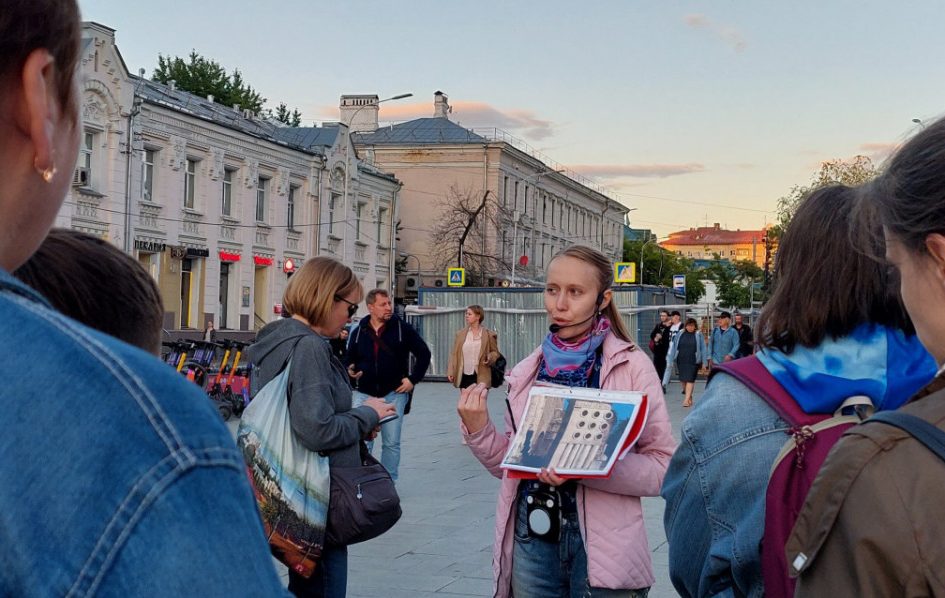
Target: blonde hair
{"type": "Point", "coordinates": [312, 289]}
{"type": "Point", "coordinates": [602, 268]}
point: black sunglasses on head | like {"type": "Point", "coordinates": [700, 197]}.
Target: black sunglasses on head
{"type": "Point", "coordinates": [352, 307]}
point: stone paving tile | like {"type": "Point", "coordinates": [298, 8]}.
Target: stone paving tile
{"type": "Point", "coordinates": [442, 546]}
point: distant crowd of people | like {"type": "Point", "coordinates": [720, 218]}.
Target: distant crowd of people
{"type": "Point", "coordinates": [119, 478]}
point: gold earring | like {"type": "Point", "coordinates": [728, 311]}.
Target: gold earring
{"type": "Point", "coordinates": [46, 173]}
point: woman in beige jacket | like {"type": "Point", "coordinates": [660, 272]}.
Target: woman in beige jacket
{"type": "Point", "coordinates": [475, 349]}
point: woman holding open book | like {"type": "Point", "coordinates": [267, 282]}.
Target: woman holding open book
{"type": "Point", "coordinates": [574, 537]}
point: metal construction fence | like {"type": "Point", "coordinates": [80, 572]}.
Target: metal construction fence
{"type": "Point", "coordinates": [518, 316]}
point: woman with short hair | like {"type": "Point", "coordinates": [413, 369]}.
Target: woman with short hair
{"type": "Point", "coordinates": [320, 299]}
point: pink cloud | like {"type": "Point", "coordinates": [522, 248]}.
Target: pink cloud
{"type": "Point", "coordinates": [730, 35]}
{"type": "Point", "coordinates": [614, 171]}
{"type": "Point", "coordinates": [517, 121]}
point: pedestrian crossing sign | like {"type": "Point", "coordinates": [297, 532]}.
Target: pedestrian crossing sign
{"type": "Point", "coordinates": [456, 277]}
{"type": "Point", "coordinates": [625, 272]}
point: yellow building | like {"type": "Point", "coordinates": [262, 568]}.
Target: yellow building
{"type": "Point", "coordinates": [705, 242]}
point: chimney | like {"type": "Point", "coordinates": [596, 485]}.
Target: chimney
{"type": "Point", "coordinates": [172, 84]}
{"type": "Point", "coordinates": [441, 107]}
{"type": "Point", "coordinates": [210, 97]}
{"type": "Point", "coordinates": [359, 112]}
{"type": "Point", "coordinates": [716, 225]}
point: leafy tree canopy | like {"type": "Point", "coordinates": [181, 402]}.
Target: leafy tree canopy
{"type": "Point", "coordinates": [853, 172]}
{"type": "Point", "coordinates": [659, 266]}
{"type": "Point", "coordinates": [733, 281]}
{"type": "Point", "coordinates": [203, 76]}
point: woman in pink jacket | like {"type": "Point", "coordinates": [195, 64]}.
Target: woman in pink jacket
{"type": "Point", "coordinates": [599, 546]}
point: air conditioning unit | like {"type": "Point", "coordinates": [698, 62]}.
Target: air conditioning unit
{"type": "Point", "coordinates": [81, 177]}
{"type": "Point", "coordinates": [412, 284]}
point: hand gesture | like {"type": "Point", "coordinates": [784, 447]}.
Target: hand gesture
{"type": "Point", "coordinates": [548, 476]}
{"type": "Point", "coordinates": [405, 386]}
{"type": "Point", "coordinates": [450, 377]}
{"type": "Point", "coordinates": [382, 407]}
{"type": "Point", "coordinates": [354, 374]}
{"type": "Point", "coordinates": [472, 407]}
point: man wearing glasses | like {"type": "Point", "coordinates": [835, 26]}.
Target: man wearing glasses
{"type": "Point", "coordinates": [379, 350]}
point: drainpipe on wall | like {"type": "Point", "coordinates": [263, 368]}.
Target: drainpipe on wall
{"type": "Point", "coordinates": [394, 207]}
{"type": "Point", "coordinates": [129, 149]}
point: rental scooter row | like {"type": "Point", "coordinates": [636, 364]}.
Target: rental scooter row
{"type": "Point", "coordinates": [226, 383]}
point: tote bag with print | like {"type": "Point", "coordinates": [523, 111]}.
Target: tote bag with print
{"type": "Point", "coordinates": [290, 482]}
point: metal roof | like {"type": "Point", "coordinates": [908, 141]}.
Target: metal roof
{"type": "Point", "coordinates": [420, 131]}
{"type": "Point", "coordinates": [310, 140]}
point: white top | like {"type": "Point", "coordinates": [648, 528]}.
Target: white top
{"type": "Point", "coordinates": [471, 347]}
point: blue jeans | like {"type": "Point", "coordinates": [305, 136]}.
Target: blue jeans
{"type": "Point", "coordinates": [330, 579]}
{"type": "Point", "coordinates": [542, 569]}
{"type": "Point", "coordinates": [390, 432]}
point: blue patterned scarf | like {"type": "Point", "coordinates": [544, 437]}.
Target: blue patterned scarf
{"type": "Point", "coordinates": [881, 363]}
{"type": "Point", "coordinates": [570, 363]}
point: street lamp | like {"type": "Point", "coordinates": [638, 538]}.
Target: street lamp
{"type": "Point", "coordinates": [405, 255]}
{"type": "Point", "coordinates": [647, 242]}
{"type": "Point", "coordinates": [344, 247]}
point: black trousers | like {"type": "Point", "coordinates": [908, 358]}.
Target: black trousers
{"type": "Point", "coordinates": [659, 360]}
{"type": "Point", "coordinates": [467, 380]}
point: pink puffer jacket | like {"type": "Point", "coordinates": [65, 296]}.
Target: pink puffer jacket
{"type": "Point", "coordinates": [609, 510]}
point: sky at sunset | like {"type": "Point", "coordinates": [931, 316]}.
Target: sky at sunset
{"type": "Point", "coordinates": [692, 113]}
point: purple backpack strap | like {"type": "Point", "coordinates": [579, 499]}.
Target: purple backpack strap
{"type": "Point", "coordinates": [756, 377]}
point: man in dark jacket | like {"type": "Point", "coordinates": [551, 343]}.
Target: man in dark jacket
{"type": "Point", "coordinates": [379, 350]}
{"type": "Point", "coordinates": [660, 342]}
{"type": "Point", "coordinates": [746, 342]}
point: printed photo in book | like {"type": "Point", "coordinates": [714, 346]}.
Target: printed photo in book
{"type": "Point", "coordinates": [578, 432]}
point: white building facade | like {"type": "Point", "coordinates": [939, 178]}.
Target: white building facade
{"type": "Point", "coordinates": [217, 203]}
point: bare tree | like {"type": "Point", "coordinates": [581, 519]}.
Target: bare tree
{"type": "Point", "coordinates": [465, 234]}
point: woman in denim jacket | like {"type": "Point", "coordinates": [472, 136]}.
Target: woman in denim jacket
{"type": "Point", "coordinates": [601, 549]}
{"type": "Point", "coordinates": [833, 328]}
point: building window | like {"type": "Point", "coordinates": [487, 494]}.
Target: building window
{"type": "Point", "coordinates": [147, 176]}
{"type": "Point", "coordinates": [290, 208]}
{"type": "Point", "coordinates": [190, 180]}
{"type": "Point", "coordinates": [516, 195]}
{"type": "Point", "coordinates": [85, 154]}
{"type": "Point", "coordinates": [227, 199]}
{"type": "Point", "coordinates": [332, 204]}
{"type": "Point", "coordinates": [261, 188]}
{"type": "Point", "coordinates": [357, 220]}
{"type": "Point", "coordinates": [505, 192]}
{"type": "Point", "coordinates": [544, 210]}
{"type": "Point", "coordinates": [526, 200]}
{"type": "Point", "coordinates": [381, 218]}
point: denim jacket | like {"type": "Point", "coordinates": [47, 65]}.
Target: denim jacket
{"type": "Point", "coordinates": [714, 528]}
{"type": "Point", "coordinates": [118, 478]}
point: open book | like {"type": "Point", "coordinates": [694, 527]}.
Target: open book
{"type": "Point", "coordinates": [578, 432]}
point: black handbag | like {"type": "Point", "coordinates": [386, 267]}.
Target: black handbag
{"type": "Point", "coordinates": [364, 502]}
{"type": "Point", "coordinates": [498, 371]}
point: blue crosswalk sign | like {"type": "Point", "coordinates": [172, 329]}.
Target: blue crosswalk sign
{"type": "Point", "coordinates": [456, 277]}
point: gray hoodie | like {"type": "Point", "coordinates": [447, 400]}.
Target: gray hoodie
{"type": "Point", "coordinates": [320, 410]}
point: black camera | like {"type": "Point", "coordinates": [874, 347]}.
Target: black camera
{"type": "Point", "coordinates": [543, 508]}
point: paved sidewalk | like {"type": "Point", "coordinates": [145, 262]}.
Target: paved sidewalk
{"type": "Point", "coordinates": [443, 544]}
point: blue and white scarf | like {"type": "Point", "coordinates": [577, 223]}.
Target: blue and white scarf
{"type": "Point", "coordinates": [879, 362]}
{"type": "Point", "coordinates": [570, 363]}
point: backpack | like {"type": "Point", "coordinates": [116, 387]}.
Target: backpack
{"type": "Point", "coordinates": [812, 435]}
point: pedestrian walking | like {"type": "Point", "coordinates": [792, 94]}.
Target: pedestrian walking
{"type": "Point", "coordinates": [118, 476]}
{"type": "Point", "coordinates": [723, 342]}
{"type": "Point", "coordinates": [746, 342]}
{"type": "Point", "coordinates": [871, 525]}
{"type": "Point", "coordinates": [659, 343]}
{"type": "Point", "coordinates": [716, 486]}
{"type": "Point", "coordinates": [475, 350]}
{"type": "Point", "coordinates": [379, 362]}
{"type": "Point", "coordinates": [601, 547]}
{"type": "Point", "coordinates": [689, 353]}
{"type": "Point", "coordinates": [320, 299]}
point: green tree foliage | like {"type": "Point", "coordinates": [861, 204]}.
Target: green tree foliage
{"type": "Point", "coordinates": [659, 266]}
{"type": "Point", "coordinates": [733, 281]}
{"type": "Point", "coordinates": [282, 114]}
{"type": "Point", "coordinates": [202, 76]}
{"type": "Point", "coordinates": [854, 172]}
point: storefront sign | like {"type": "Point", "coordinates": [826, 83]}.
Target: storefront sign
{"type": "Point", "coordinates": [226, 256]}
{"type": "Point", "coordinates": [262, 261]}
{"type": "Point", "coordinates": [149, 246]}
{"type": "Point", "coordinates": [194, 252]}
